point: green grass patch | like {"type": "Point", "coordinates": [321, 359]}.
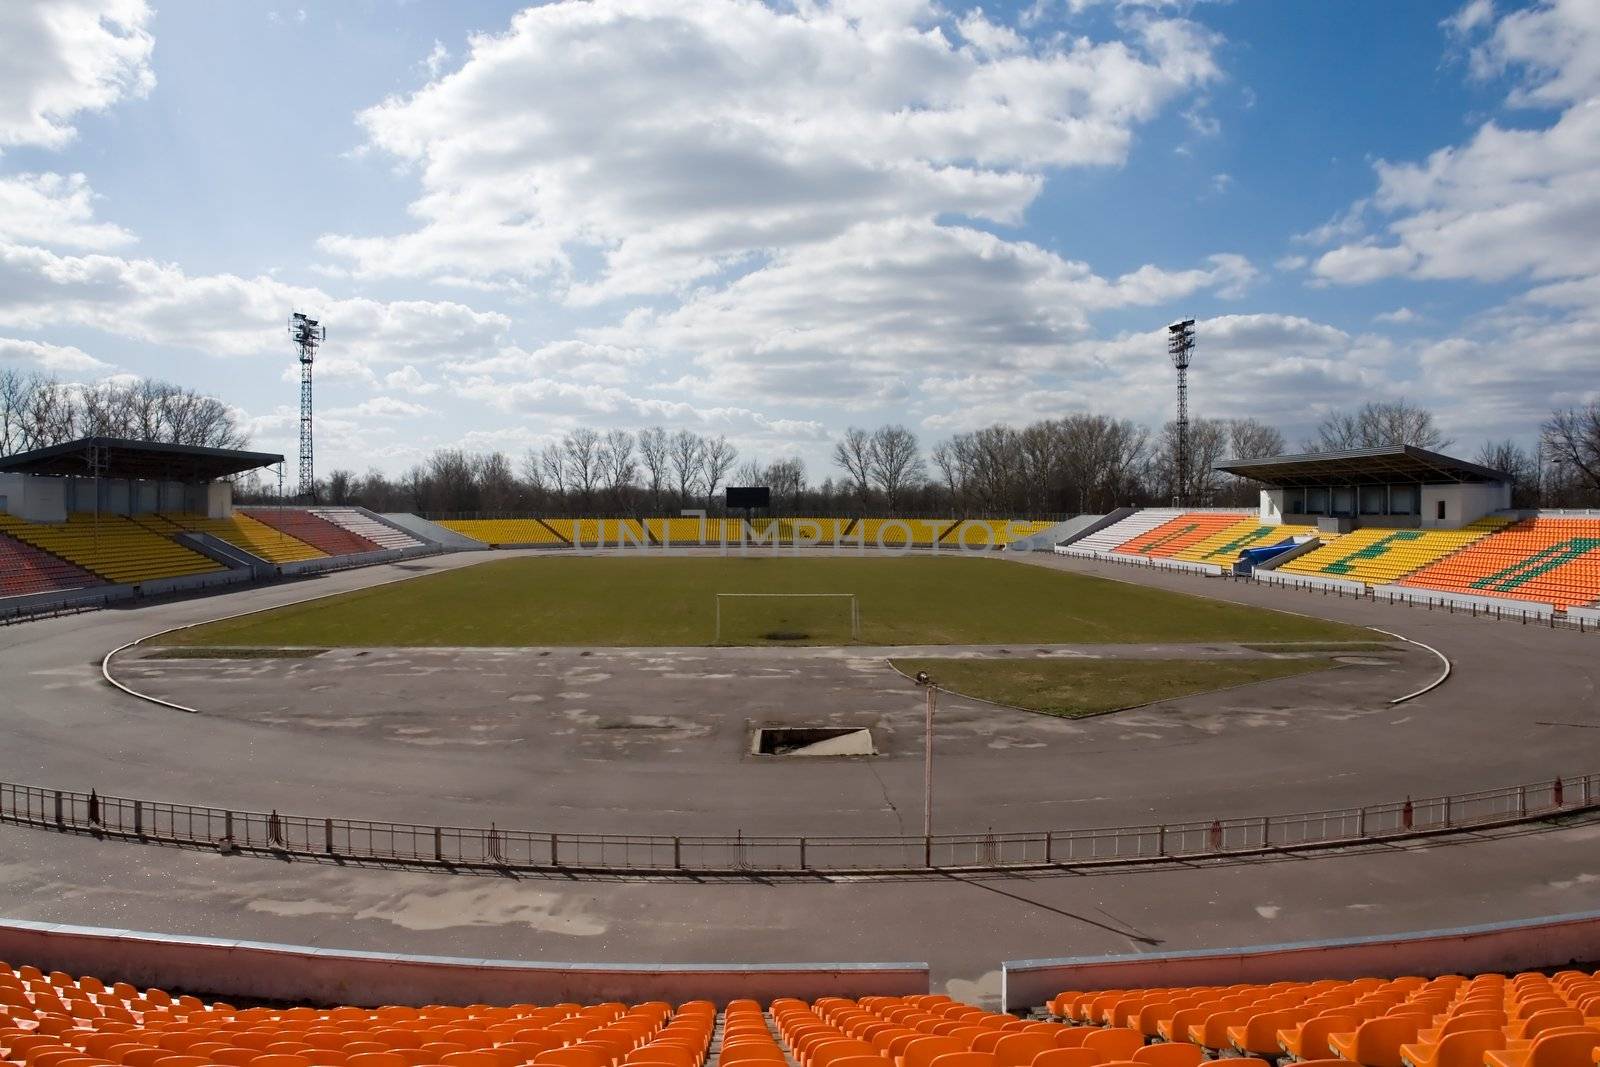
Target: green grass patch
{"type": "Point", "coordinates": [654, 600]}
{"type": "Point", "coordinates": [1073, 688]}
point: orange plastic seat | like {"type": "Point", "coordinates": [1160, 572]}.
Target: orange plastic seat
{"type": "Point", "coordinates": [1170, 1054]}
{"type": "Point", "coordinates": [1114, 1043]}
{"type": "Point", "coordinates": [1376, 1042]}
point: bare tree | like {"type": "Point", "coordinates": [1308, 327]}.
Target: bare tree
{"type": "Point", "coordinates": [1521, 464]}
{"type": "Point", "coordinates": [787, 478]}
{"type": "Point", "coordinates": [894, 462]}
{"type": "Point", "coordinates": [1379, 424]}
{"type": "Point", "coordinates": [750, 472]}
{"type": "Point", "coordinates": [852, 453]}
{"type": "Point", "coordinates": [1039, 447]}
{"type": "Point", "coordinates": [553, 462]}
{"type": "Point", "coordinates": [653, 448]}
{"type": "Point", "coordinates": [497, 485]}
{"type": "Point", "coordinates": [1571, 441]}
{"type": "Point", "coordinates": [954, 463]}
{"type": "Point", "coordinates": [13, 409]}
{"type": "Point", "coordinates": [618, 465]}
{"type": "Point", "coordinates": [340, 486]}
{"type": "Point", "coordinates": [1198, 482]}
{"type": "Point", "coordinates": [581, 461]}
{"type": "Point", "coordinates": [685, 452]}
{"type": "Point", "coordinates": [717, 458]}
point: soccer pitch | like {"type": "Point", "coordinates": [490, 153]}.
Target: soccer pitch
{"type": "Point", "coordinates": [643, 601]}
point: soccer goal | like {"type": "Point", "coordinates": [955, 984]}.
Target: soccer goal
{"type": "Point", "coordinates": [759, 618]}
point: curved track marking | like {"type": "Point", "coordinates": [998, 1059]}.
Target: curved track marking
{"type": "Point", "coordinates": [1431, 686]}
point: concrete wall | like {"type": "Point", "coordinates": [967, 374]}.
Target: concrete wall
{"type": "Point", "coordinates": [227, 968]}
{"type": "Point", "coordinates": [219, 500]}
{"type": "Point", "coordinates": [34, 499]}
{"type": "Point", "coordinates": [1462, 503]}
{"type": "Point", "coordinates": [1552, 941]}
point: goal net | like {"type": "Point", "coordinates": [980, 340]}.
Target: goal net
{"type": "Point", "coordinates": [775, 618]}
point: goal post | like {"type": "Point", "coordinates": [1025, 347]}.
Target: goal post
{"type": "Point", "coordinates": [778, 617]}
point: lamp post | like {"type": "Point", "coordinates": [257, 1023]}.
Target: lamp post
{"type": "Point", "coordinates": [930, 688]}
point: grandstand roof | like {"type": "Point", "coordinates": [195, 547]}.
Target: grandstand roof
{"type": "Point", "coordinates": [1387, 465]}
{"type": "Point", "coordinates": [115, 457]}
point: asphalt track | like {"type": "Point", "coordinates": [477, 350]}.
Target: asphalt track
{"type": "Point", "coordinates": [1521, 705]}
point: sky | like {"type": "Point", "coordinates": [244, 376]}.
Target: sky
{"type": "Point", "coordinates": [773, 221]}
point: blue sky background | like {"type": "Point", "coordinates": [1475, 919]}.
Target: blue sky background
{"type": "Point", "coordinates": [227, 155]}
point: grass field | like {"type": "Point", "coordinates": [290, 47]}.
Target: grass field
{"type": "Point", "coordinates": [1075, 688]}
{"type": "Point", "coordinates": [618, 601]}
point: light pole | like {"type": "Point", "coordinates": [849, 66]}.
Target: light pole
{"type": "Point", "coordinates": [930, 688]}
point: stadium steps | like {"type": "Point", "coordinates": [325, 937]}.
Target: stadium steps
{"type": "Point", "coordinates": [1178, 533]}
{"type": "Point", "coordinates": [431, 532]}
{"type": "Point", "coordinates": [1109, 537]}
{"type": "Point", "coordinates": [362, 524]}
{"type": "Point", "coordinates": [244, 533]}
{"type": "Point", "coordinates": [113, 547]}
{"type": "Point", "coordinates": [314, 530]}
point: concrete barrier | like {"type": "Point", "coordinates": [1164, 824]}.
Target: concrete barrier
{"type": "Point", "coordinates": [1517, 945]}
{"type": "Point", "coordinates": [1498, 606]}
{"type": "Point", "coordinates": [256, 970]}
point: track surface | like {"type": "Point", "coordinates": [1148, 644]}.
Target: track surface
{"type": "Point", "coordinates": [1522, 705]}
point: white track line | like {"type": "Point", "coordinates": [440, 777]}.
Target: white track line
{"type": "Point", "coordinates": [1437, 682]}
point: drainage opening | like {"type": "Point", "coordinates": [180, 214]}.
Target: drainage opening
{"type": "Point", "coordinates": [813, 741]}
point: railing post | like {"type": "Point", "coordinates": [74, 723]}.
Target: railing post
{"type": "Point", "coordinates": [1161, 840]}
{"type": "Point", "coordinates": [1361, 822]}
{"type": "Point", "coordinates": [438, 844]}
{"type": "Point", "coordinates": [677, 852]}
{"type": "Point", "coordinates": [555, 850]}
{"type": "Point", "coordinates": [1266, 831]}
{"type": "Point", "coordinates": [927, 851]}
{"type": "Point", "coordinates": [1049, 846]}
{"type": "Point", "coordinates": [802, 853]}
{"type": "Point", "coordinates": [327, 836]}
{"type": "Point", "coordinates": [59, 820]}
{"type": "Point", "coordinates": [1448, 805]}
{"type": "Point", "coordinates": [138, 819]}
{"type": "Point", "coordinates": [227, 825]}
{"type": "Point", "coordinates": [1522, 800]}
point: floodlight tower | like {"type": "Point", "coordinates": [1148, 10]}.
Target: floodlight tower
{"type": "Point", "coordinates": [307, 334]}
{"type": "Point", "coordinates": [1180, 346]}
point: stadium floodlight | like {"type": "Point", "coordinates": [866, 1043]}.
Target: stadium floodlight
{"type": "Point", "coordinates": [931, 688]}
{"type": "Point", "coordinates": [1180, 346]}
{"type": "Point", "coordinates": [307, 333]}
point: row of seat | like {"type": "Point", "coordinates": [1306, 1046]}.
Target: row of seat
{"type": "Point", "coordinates": [114, 547]}
{"type": "Point", "coordinates": [313, 529]}
{"type": "Point", "coordinates": [1377, 556]}
{"type": "Point", "coordinates": [363, 525]}
{"type": "Point", "coordinates": [25, 569]}
{"type": "Point", "coordinates": [238, 530]}
{"type": "Point", "coordinates": [55, 1020]}
{"type": "Point", "coordinates": [1179, 532]}
{"type": "Point", "coordinates": [1225, 546]}
{"type": "Point", "coordinates": [1551, 560]}
{"type": "Point", "coordinates": [1490, 1020]}
{"type": "Point", "coordinates": [957, 533]}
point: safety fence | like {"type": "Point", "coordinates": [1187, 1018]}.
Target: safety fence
{"type": "Point", "coordinates": [351, 840]}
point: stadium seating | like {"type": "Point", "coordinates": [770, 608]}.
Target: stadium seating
{"type": "Point", "coordinates": [112, 546]}
{"type": "Point", "coordinates": [971, 533]}
{"type": "Point", "coordinates": [55, 1020]}
{"type": "Point", "coordinates": [25, 569]}
{"type": "Point", "coordinates": [362, 525]}
{"type": "Point", "coordinates": [1109, 537]}
{"type": "Point", "coordinates": [1225, 545]}
{"type": "Point", "coordinates": [784, 531]}
{"type": "Point", "coordinates": [900, 532]}
{"type": "Point", "coordinates": [1491, 1020]}
{"type": "Point", "coordinates": [1377, 555]}
{"type": "Point", "coordinates": [314, 530]}
{"type": "Point", "coordinates": [505, 531]}
{"type": "Point", "coordinates": [597, 532]}
{"type": "Point", "coordinates": [1178, 532]}
{"type": "Point", "coordinates": [694, 531]}
{"type": "Point", "coordinates": [1554, 561]}
{"type": "Point", "coordinates": [239, 530]}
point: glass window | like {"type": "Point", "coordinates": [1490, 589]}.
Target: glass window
{"type": "Point", "coordinates": [1372, 499]}
{"type": "Point", "coordinates": [1403, 500]}
{"type": "Point", "coordinates": [1316, 501]}
{"type": "Point", "coordinates": [1344, 501]}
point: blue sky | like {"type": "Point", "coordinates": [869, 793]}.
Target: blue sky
{"type": "Point", "coordinates": [776, 221]}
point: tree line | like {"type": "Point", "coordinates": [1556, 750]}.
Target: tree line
{"type": "Point", "coordinates": [1077, 463]}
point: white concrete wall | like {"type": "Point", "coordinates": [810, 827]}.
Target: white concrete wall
{"type": "Point", "coordinates": [1462, 503]}
{"type": "Point", "coordinates": [34, 499]}
{"type": "Point", "coordinates": [1272, 506]}
{"type": "Point", "coordinates": [219, 500]}
{"type": "Point", "coordinates": [228, 968]}
{"type": "Point", "coordinates": [1552, 941]}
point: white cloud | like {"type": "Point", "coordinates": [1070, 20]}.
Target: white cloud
{"type": "Point", "coordinates": [409, 380]}
{"type": "Point", "coordinates": [382, 407]}
{"type": "Point", "coordinates": [1399, 316]}
{"type": "Point", "coordinates": [51, 359]}
{"type": "Point", "coordinates": [864, 319]}
{"type": "Point", "coordinates": [226, 315]}
{"type": "Point", "coordinates": [680, 140]}
{"type": "Point", "coordinates": [57, 210]}
{"type": "Point", "coordinates": [1509, 202]}
{"type": "Point", "coordinates": [66, 57]}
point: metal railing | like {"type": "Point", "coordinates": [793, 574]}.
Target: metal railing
{"type": "Point", "coordinates": [158, 822]}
